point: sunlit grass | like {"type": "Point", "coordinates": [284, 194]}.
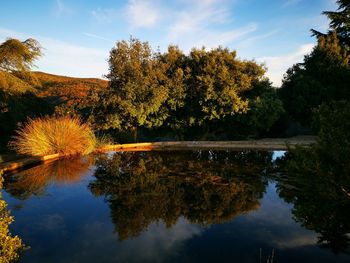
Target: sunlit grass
{"type": "Point", "coordinates": [50, 135]}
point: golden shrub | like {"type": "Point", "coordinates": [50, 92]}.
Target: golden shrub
{"type": "Point", "coordinates": [50, 135]}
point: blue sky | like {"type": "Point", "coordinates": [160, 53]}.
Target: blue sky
{"type": "Point", "coordinates": [77, 35]}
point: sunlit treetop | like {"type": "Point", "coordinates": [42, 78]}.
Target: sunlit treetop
{"type": "Point", "coordinates": [19, 56]}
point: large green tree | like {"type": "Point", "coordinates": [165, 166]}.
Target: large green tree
{"type": "Point", "coordinates": [184, 94]}
{"type": "Point", "coordinates": [322, 77]}
{"type": "Point", "coordinates": [144, 86]}
{"type": "Point", "coordinates": [324, 74]}
{"type": "Point", "coordinates": [217, 82]}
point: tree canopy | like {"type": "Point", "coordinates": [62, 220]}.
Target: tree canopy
{"type": "Point", "coordinates": [324, 74]}
{"type": "Point", "coordinates": [16, 55]}
{"type": "Point", "coordinates": [339, 22]}
{"type": "Point", "coordinates": [322, 77]}
{"type": "Point", "coordinates": [171, 90]}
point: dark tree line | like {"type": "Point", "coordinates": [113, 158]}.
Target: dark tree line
{"type": "Point", "coordinates": [324, 75]}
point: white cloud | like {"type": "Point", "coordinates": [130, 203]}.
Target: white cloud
{"type": "Point", "coordinates": [72, 60]}
{"type": "Point", "coordinates": [65, 58]}
{"type": "Point", "coordinates": [62, 9]}
{"type": "Point", "coordinates": [141, 14]}
{"type": "Point", "coordinates": [155, 244]}
{"type": "Point", "coordinates": [97, 36]}
{"type": "Point", "coordinates": [278, 65]}
{"type": "Point", "coordinates": [253, 40]}
{"type": "Point", "coordinates": [199, 24]}
{"type": "Point", "coordinates": [105, 15]}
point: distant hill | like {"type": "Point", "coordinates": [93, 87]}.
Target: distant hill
{"type": "Point", "coordinates": [61, 89]}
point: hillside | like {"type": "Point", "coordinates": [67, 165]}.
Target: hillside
{"type": "Point", "coordinates": [58, 89]}
{"type": "Point", "coordinates": [36, 94]}
{"type": "Point", "coordinates": [12, 85]}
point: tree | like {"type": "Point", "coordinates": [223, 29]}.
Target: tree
{"type": "Point", "coordinates": [144, 86]}
{"type": "Point", "coordinates": [159, 92]}
{"type": "Point", "coordinates": [321, 78]}
{"type": "Point", "coordinates": [325, 73]}
{"type": "Point", "coordinates": [17, 85]}
{"type": "Point", "coordinates": [19, 56]}
{"type": "Point", "coordinates": [340, 22]}
{"type": "Point", "coordinates": [217, 81]}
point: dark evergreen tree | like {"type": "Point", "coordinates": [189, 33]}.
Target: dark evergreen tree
{"type": "Point", "coordinates": [322, 77]}
{"type": "Point", "coordinates": [339, 22]}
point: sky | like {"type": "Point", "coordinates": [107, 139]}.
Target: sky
{"type": "Point", "coordinates": [77, 35]}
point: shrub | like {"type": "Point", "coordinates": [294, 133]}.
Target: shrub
{"type": "Point", "coordinates": [9, 245]}
{"type": "Point", "coordinates": [50, 135]}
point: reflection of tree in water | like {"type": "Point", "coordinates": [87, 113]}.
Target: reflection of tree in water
{"type": "Point", "coordinates": [34, 181]}
{"type": "Point", "coordinates": [204, 187]}
{"type": "Point", "coordinates": [319, 190]}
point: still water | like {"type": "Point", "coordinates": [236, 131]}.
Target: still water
{"type": "Point", "coordinates": [201, 206]}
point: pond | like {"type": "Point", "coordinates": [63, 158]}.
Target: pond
{"type": "Point", "coordinates": [181, 206]}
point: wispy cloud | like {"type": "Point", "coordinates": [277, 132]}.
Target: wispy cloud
{"type": "Point", "coordinates": [97, 37]}
{"type": "Point", "coordinates": [278, 65]}
{"type": "Point", "coordinates": [62, 9]}
{"type": "Point", "coordinates": [199, 24]}
{"type": "Point", "coordinates": [105, 15]}
{"type": "Point", "coordinates": [142, 14]}
{"type": "Point", "coordinates": [253, 40]}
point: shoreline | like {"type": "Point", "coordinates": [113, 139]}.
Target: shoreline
{"type": "Point", "coordinates": [272, 144]}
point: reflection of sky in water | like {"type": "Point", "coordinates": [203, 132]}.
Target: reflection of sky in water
{"type": "Point", "coordinates": [69, 224]}
{"type": "Point", "coordinates": [277, 154]}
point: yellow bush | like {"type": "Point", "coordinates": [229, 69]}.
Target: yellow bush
{"type": "Point", "coordinates": [9, 245]}
{"type": "Point", "coordinates": [50, 135]}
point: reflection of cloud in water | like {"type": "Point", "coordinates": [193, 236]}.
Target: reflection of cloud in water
{"type": "Point", "coordinates": [284, 231]}
{"type": "Point", "coordinates": [51, 224]}
{"type": "Point", "coordinates": [158, 241]}
{"type": "Point", "coordinates": [154, 245]}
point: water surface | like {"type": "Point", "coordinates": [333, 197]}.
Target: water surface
{"type": "Point", "coordinates": [202, 206]}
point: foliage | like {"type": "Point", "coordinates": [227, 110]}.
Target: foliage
{"type": "Point", "coordinates": [18, 56]}
{"type": "Point", "coordinates": [332, 121]}
{"type": "Point", "coordinates": [17, 102]}
{"type": "Point", "coordinates": [13, 85]}
{"type": "Point", "coordinates": [321, 78]}
{"type": "Point", "coordinates": [317, 180]}
{"type": "Point", "coordinates": [320, 193]}
{"type": "Point", "coordinates": [67, 94]}
{"type": "Point", "coordinates": [136, 80]}
{"type": "Point", "coordinates": [216, 80]}
{"type": "Point", "coordinates": [50, 135]}
{"type": "Point", "coordinates": [265, 108]}
{"type": "Point", "coordinates": [173, 91]}
{"type": "Point", "coordinates": [340, 22]}
{"type": "Point", "coordinates": [17, 85]}
{"type": "Point", "coordinates": [9, 245]}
